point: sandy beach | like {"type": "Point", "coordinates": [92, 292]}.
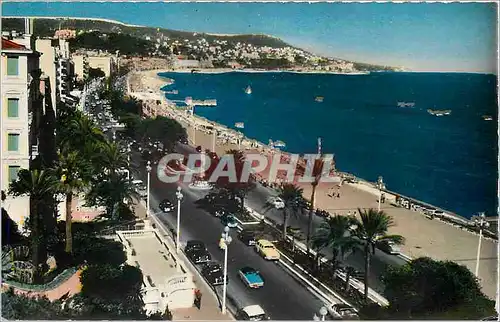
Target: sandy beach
{"type": "Point", "coordinates": [424, 237]}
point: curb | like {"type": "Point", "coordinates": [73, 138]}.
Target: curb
{"type": "Point", "coordinates": [405, 257]}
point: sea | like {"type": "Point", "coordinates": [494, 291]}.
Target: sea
{"type": "Point", "coordinates": [448, 161]}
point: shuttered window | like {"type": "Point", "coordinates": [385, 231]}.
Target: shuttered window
{"type": "Point", "coordinates": [13, 171]}
{"type": "Point", "coordinates": [13, 107]}
{"type": "Point", "coordinates": [12, 66]}
{"type": "Point", "coordinates": [13, 142]}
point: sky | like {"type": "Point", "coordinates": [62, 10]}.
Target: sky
{"type": "Point", "coordinates": [459, 37]}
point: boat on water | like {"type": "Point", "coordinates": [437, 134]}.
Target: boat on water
{"type": "Point", "coordinates": [439, 112]}
{"type": "Point", "coordinates": [319, 99]}
{"type": "Point", "coordinates": [405, 104]}
{"type": "Point", "coordinates": [248, 90]}
{"type": "Point", "coordinates": [277, 144]}
{"type": "Point", "coordinates": [487, 117]}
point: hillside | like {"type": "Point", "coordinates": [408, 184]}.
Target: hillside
{"type": "Point", "coordinates": [46, 27]}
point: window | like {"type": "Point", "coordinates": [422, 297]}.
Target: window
{"type": "Point", "coordinates": [13, 171]}
{"type": "Point", "coordinates": [13, 142]}
{"type": "Point", "coordinates": [12, 66]}
{"type": "Point", "coordinates": [13, 107]}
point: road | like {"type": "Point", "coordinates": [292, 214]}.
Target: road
{"type": "Point", "coordinates": [282, 297]}
{"type": "Point", "coordinates": [256, 200]}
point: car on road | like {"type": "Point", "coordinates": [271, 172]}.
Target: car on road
{"type": "Point", "coordinates": [213, 273]}
{"type": "Point", "coordinates": [252, 313]}
{"type": "Point", "coordinates": [219, 212]}
{"type": "Point", "coordinates": [276, 202]}
{"type": "Point", "coordinates": [343, 312]}
{"type": "Point", "coordinates": [166, 206]}
{"type": "Point", "coordinates": [389, 248]}
{"type": "Point", "coordinates": [193, 245]}
{"type": "Point", "coordinates": [229, 220]}
{"type": "Point", "coordinates": [199, 256]}
{"type": "Point", "coordinates": [267, 250]}
{"type": "Point", "coordinates": [251, 277]}
{"type": "Point", "coordinates": [247, 237]}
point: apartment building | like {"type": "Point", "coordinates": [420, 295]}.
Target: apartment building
{"type": "Point", "coordinates": [47, 49]}
{"type": "Point", "coordinates": [18, 61]}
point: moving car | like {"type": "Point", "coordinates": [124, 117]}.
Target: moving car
{"type": "Point", "coordinates": [166, 206]}
{"type": "Point", "coordinates": [389, 248]}
{"type": "Point", "coordinates": [276, 202]}
{"type": "Point", "coordinates": [199, 256]}
{"type": "Point", "coordinates": [220, 212]}
{"type": "Point", "coordinates": [213, 273]}
{"type": "Point", "coordinates": [267, 250]}
{"type": "Point", "coordinates": [193, 245]}
{"type": "Point", "coordinates": [252, 313]}
{"type": "Point", "coordinates": [247, 237]}
{"type": "Point", "coordinates": [228, 220]}
{"type": "Point", "coordinates": [251, 277]}
{"type": "Point", "coordinates": [343, 311]}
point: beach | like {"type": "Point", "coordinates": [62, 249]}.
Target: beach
{"type": "Point", "coordinates": [424, 237]}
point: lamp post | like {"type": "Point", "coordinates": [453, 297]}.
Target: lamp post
{"type": "Point", "coordinates": [380, 184]}
{"type": "Point", "coordinates": [179, 196]}
{"type": "Point", "coordinates": [129, 150]}
{"type": "Point", "coordinates": [148, 169]}
{"type": "Point", "coordinates": [114, 136]}
{"type": "Point", "coordinates": [481, 222]}
{"type": "Point", "coordinates": [225, 241]}
{"type": "Point", "coordinates": [214, 135]}
{"type": "Point", "coordinates": [323, 312]}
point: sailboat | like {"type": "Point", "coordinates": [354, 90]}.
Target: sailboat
{"type": "Point", "coordinates": [248, 90]}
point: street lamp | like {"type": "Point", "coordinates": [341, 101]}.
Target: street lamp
{"type": "Point", "coordinates": [148, 169]}
{"type": "Point", "coordinates": [129, 150]}
{"type": "Point", "coordinates": [225, 241]}
{"type": "Point", "coordinates": [481, 222]}
{"type": "Point", "coordinates": [114, 136]}
{"type": "Point", "coordinates": [179, 196]}
{"type": "Point", "coordinates": [323, 312]}
{"type": "Point", "coordinates": [380, 185]}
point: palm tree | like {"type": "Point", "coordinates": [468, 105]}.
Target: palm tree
{"type": "Point", "coordinates": [317, 171]}
{"type": "Point", "coordinates": [111, 193]}
{"type": "Point", "coordinates": [239, 188]}
{"type": "Point", "coordinates": [335, 233]}
{"type": "Point", "coordinates": [372, 230]}
{"type": "Point", "coordinates": [293, 200]}
{"type": "Point", "coordinates": [110, 158]}
{"type": "Point", "coordinates": [37, 185]}
{"type": "Point", "coordinates": [75, 174]}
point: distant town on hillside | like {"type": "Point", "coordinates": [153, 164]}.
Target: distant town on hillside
{"type": "Point", "coordinates": [193, 49]}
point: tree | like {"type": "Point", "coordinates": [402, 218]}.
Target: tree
{"type": "Point", "coordinates": [335, 233]}
{"type": "Point", "coordinates": [111, 192]}
{"type": "Point", "coordinates": [241, 187]}
{"type": "Point", "coordinates": [95, 73]}
{"type": "Point", "coordinates": [426, 287]}
{"type": "Point", "coordinates": [372, 230]}
{"type": "Point", "coordinates": [75, 173]}
{"type": "Point", "coordinates": [38, 185]}
{"type": "Point", "coordinates": [110, 158]}
{"type": "Point", "coordinates": [23, 307]}
{"type": "Point", "coordinates": [10, 231]}
{"type": "Point", "coordinates": [293, 200]}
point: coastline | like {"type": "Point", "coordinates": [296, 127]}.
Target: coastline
{"type": "Point", "coordinates": [252, 70]}
{"type": "Point", "coordinates": [442, 240]}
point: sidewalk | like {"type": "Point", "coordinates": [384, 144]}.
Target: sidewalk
{"type": "Point", "coordinates": [210, 308]}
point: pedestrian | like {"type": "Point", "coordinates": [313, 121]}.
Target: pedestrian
{"type": "Point", "coordinates": [338, 194]}
{"type": "Point", "coordinates": [197, 295]}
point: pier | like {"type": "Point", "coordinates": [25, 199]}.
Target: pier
{"type": "Point", "coordinates": [211, 102]}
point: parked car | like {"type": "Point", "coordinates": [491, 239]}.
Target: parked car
{"type": "Point", "coordinates": [267, 250]}
{"type": "Point", "coordinates": [276, 202]}
{"type": "Point", "coordinates": [343, 311]}
{"type": "Point", "coordinates": [247, 237]}
{"type": "Point", "coordinates": [213, 273]}
{"type": "Point", "coordinates": [252, 313]}
{"type": "Point", "coordinates": [251, 277]}
{"type": "Point", "coordinates": [229, 220]}
{"type": "Point", "coordinates": [199, 256]}
{"type": "Point", "coordinates": [389, 248]}
{"type": "Point", "coordinates": [193, 245]}
{"type": "Point", "coordinates": [166, 206]}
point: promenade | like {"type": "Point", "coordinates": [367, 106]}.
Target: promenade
{"type": "Point", "coordinates": [424, 237]}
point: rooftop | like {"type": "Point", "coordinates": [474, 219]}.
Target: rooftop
{"type": "Point", "coordinates": [10, 45]}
